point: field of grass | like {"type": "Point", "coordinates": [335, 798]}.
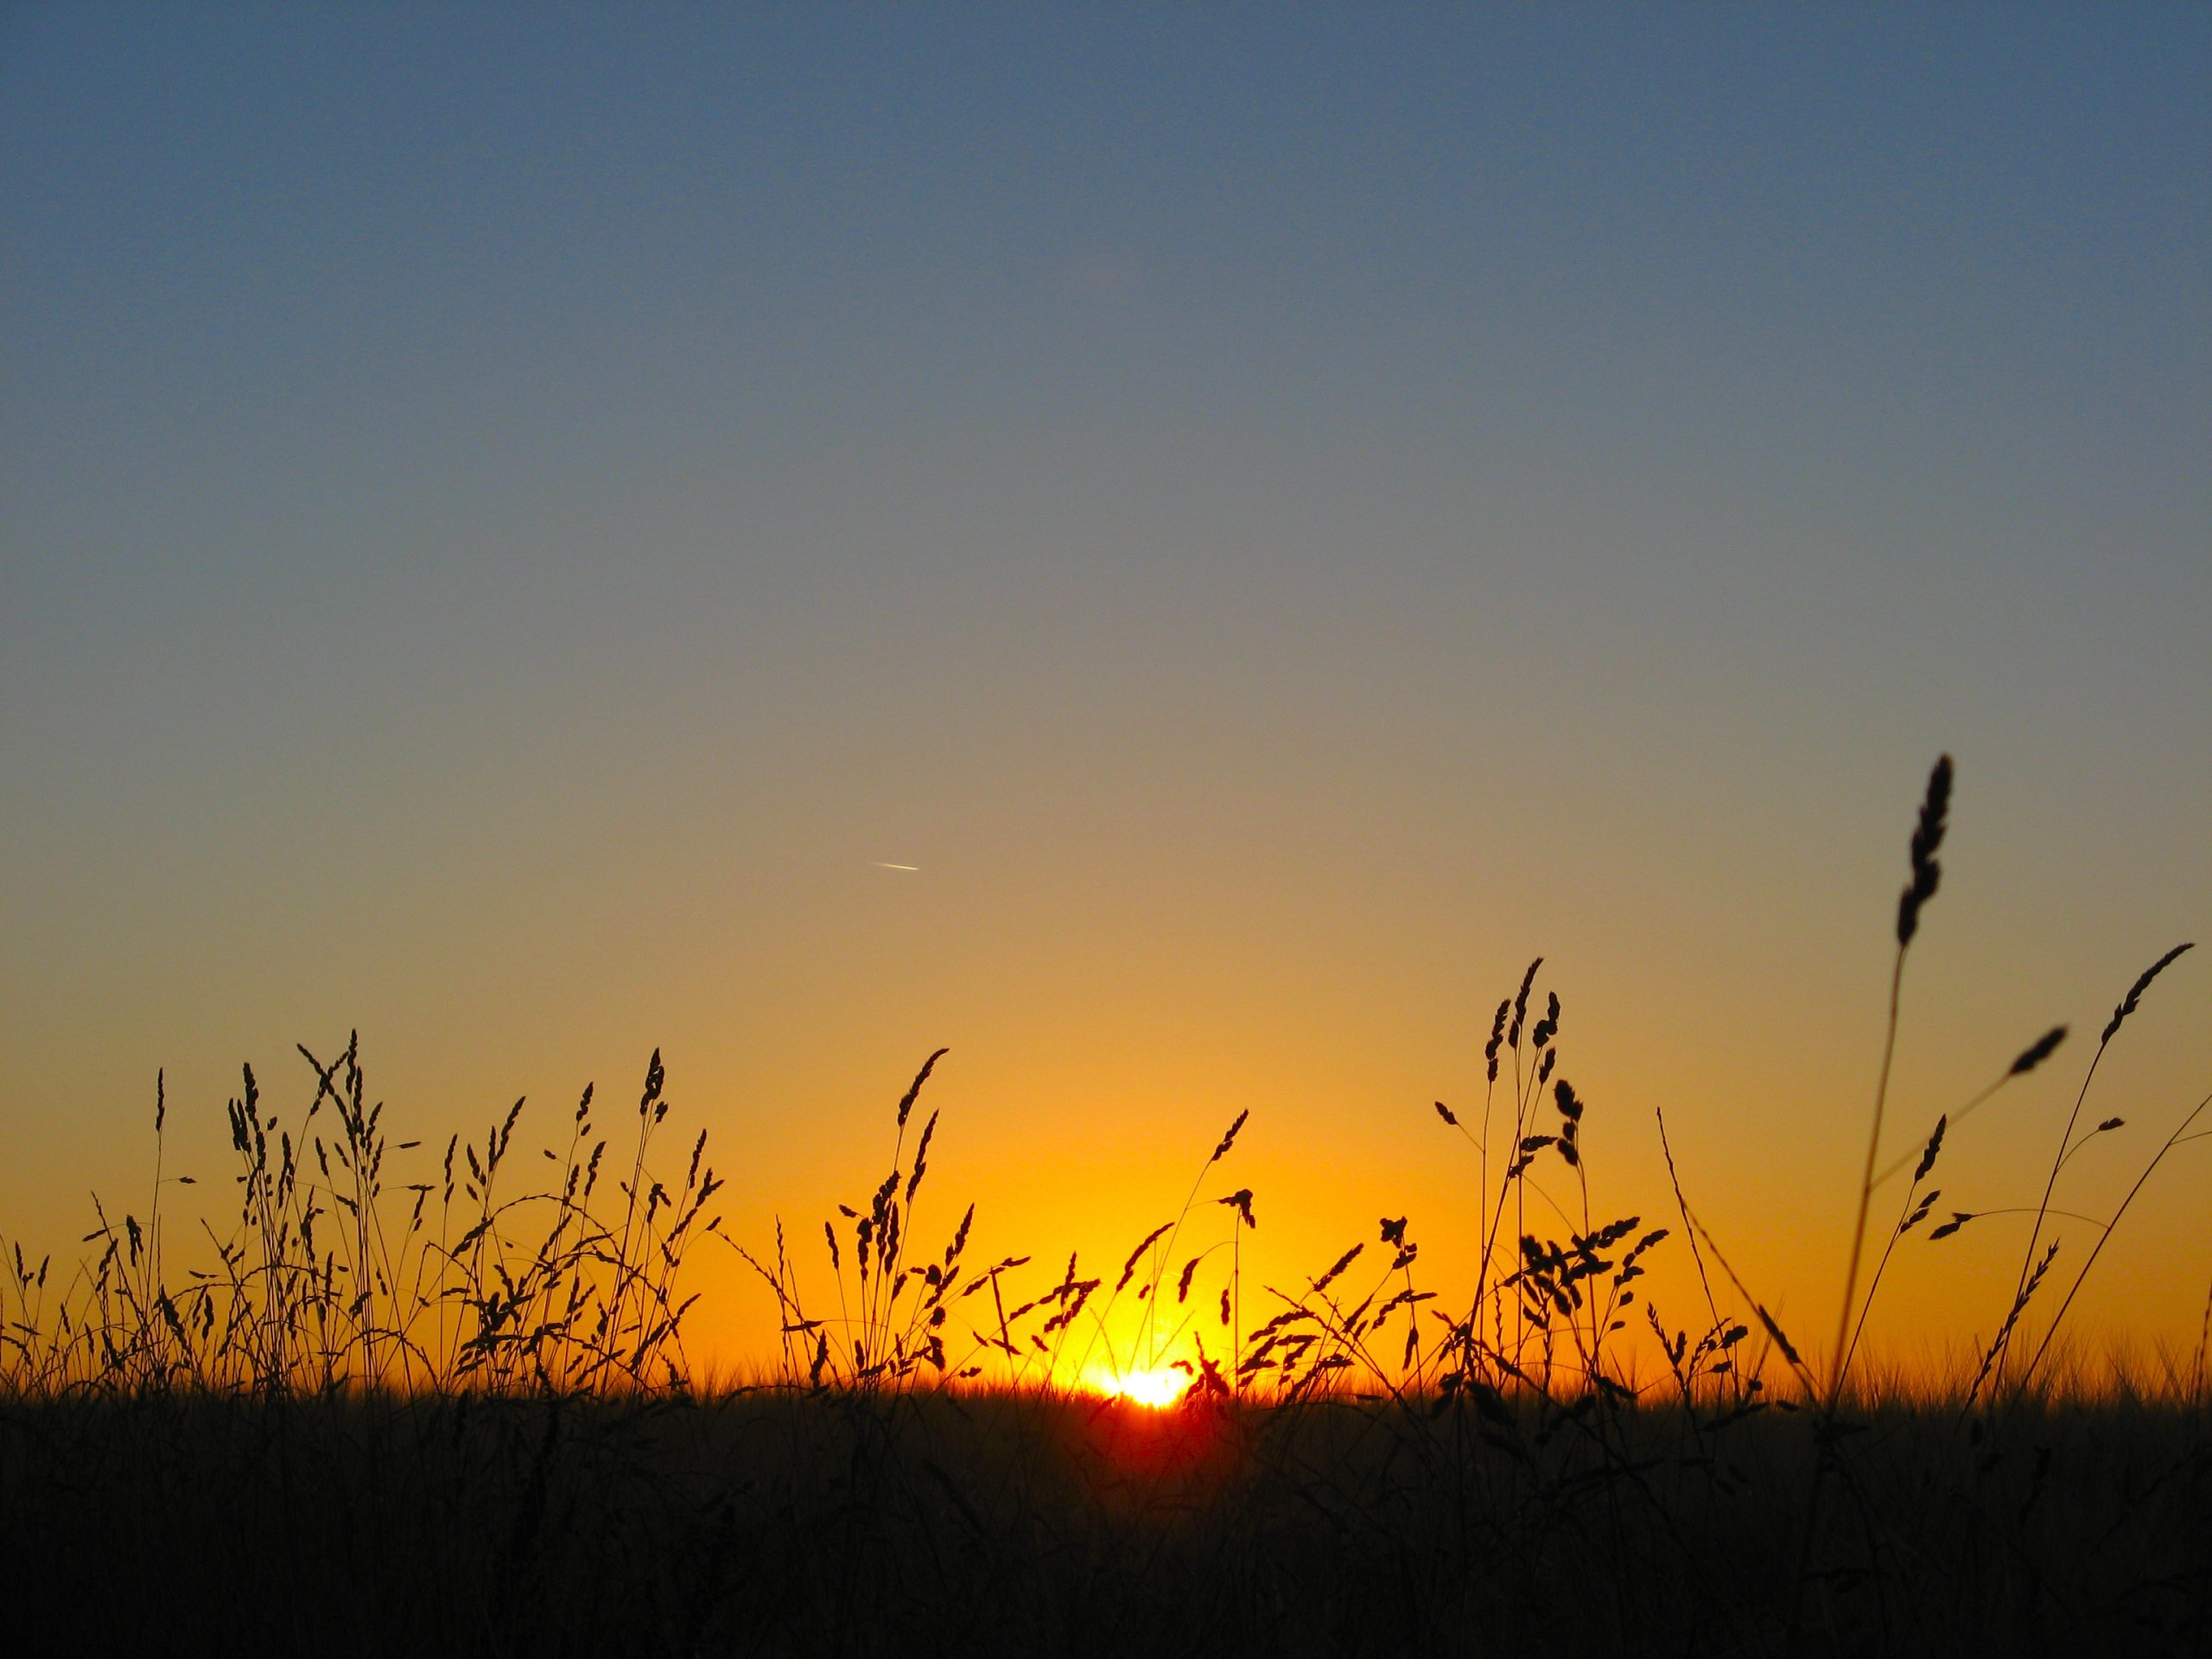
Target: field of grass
{"type": "Point", "coordinates": [460, 1415]}
{"type": "Point", "coordinates": [1025, 1523]}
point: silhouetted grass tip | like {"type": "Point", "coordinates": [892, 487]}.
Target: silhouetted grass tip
{"type": "Point", "coordinates": [1927, 836]}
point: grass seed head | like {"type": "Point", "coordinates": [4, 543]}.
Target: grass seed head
{"type": "Point", "coordinates": [2127, 1003]}
{"type": "Point", "coordinates": [2037, 1052]}
{"type": "Point", "coordinates": [1927, 838]}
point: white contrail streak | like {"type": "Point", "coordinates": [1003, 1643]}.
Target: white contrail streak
{"type": "Point", "coordinates": [880, 864]}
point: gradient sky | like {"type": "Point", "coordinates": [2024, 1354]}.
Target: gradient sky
{"type": "Point", "coordinates": [507, 516]}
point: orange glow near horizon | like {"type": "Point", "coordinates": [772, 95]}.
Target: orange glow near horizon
{"type": "Point", "coordinates": [1176, 628]}
{"type": "Point", "coordinates": [1157, 1387]}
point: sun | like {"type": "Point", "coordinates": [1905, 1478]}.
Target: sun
{"type": "Point", "coordinates": [1158, 1388]}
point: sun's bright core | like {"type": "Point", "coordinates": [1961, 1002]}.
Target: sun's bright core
{"type": "Point", "coordinates": [1157, 1386]}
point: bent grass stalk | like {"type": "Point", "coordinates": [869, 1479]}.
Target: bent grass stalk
{"type": "Point", "coordinates": [2120, 1013]}
{"type": "Point", "coordinates": [2180, 1133]}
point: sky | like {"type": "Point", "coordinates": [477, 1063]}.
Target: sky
{"type": "Point", "coordinates": [511, 519]}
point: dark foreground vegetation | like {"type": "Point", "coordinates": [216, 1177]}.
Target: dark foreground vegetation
{"type": "Point", "coordinates": [456, 1413]}
{"type": "Point", "coordinates": [1028, 1524]}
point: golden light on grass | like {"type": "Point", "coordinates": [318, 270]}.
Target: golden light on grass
{"type": "Point", "coordinates": [1157, 1386]}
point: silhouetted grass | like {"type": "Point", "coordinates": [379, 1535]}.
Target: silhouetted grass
{"type": "Point", "coordinates": [457, 1415]}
